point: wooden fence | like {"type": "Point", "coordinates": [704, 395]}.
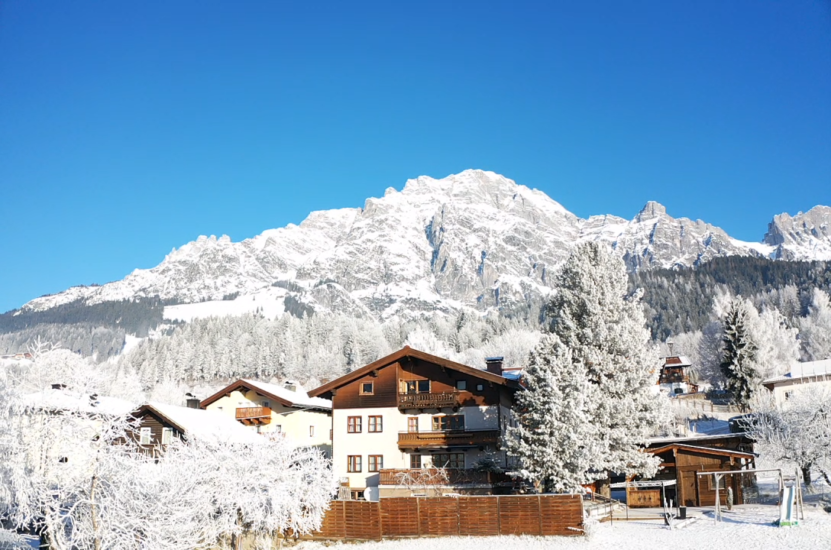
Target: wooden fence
{"type": "Point", "coordinates": [447, 516]}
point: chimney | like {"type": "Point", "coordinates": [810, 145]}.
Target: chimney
{"type": "Point", "coordinates": [291, 385]}
{"type": "Point", "coordinates": [494, 365]}
{"type": "Point", "coordinates": [193, 402]}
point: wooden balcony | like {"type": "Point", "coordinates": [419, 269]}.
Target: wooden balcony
{"type": "Point", "coordinates": [428, 476]}
{"type": "Point", "coordinates": [449, 438]}
{"type": "Point", "coordinates": [428, 400]}
{"type": "Point", "coordinates": [252, 416]}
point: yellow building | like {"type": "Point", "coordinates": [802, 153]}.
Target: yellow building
{"type": "Point", "coordinates": [277, 409]}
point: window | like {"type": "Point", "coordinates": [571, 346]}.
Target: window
{"type": "Point", "coordinates": [266, 404]}
{"type": "Point", "coordinates": [415, 461]}
{"type": "Point", "coordinates": [412, 424]}
{"type": "Point", "coordinates": [479, 387]}
{"type": "Point", "coordinates": [357, 495]}
{"type": "Point", "coordinates": [376, 462]}
{"type": "Point", "coordinates": [278, 428]}
{"type": "Point", "coordinates": [416, 386]}
{"type": "Point", "coordinates": [449, 460]}
{"type": "Point", "coordinates": [167, 436]}
{"type": "Point", "coordinates": [461, 384]}
{"type": "Point", "coordinates": [353, 463]}
{"type": "Point", "coordinates": [353, 424]}
{"type": "Point", "coordinates": [788, 395]}
{"type": "Point", "coordinates": [448, 422]}
{"type": "Point", "coordinates": [711, 483]}
{"type": "Point", "coordinates": [367, 388]}
{"type": "Point", "coordinates": [146, 436]}
{"type": "Point", "coordinates": [311, 431]}
{"type": "Point", "coordinates": [376, 424]}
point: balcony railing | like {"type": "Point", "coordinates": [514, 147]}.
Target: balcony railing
{"type": "Point", "coordinates": [448, 438]}
{"type": "Point", "coordinates": [429, 476]}
{"type": "Point", "coordinates": [427, 400]}
{"type": "Point", "coordinates": [254, 415]}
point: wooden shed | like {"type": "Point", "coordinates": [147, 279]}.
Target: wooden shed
{"type": "Point", "coordinates": [681, 462]}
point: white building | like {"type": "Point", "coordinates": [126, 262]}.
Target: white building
{"type": "Point", "coordinates": [406, 414]}
{"type": "Point", "coordinates": [270, 408]}
{"type": "Point", "coordinates": [811, 374]}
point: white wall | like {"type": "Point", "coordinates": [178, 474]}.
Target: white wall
{"type": "Point", "coordinates": [386, 443]}
{"type": "Point", "coordinates": [293, 423]}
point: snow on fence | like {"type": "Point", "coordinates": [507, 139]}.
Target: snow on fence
{"type": "Point", "coordinates": [449, 517]}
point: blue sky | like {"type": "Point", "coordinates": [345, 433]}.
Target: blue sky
{"type": "Point", "coordinates": [130, 128]}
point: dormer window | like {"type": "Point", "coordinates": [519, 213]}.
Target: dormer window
{"type": "Point", "coordinates": [367, 388]}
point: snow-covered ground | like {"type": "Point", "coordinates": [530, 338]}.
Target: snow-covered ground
{"type": "Point", "coordinates": [744, 528]}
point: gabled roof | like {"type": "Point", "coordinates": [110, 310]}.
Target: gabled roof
{"type": "Point", "coordinates": [286, 397]}
{"type": "Point", "coordinates": [407, 351]}
{"type": "Point", "coordinates": [704, 450]}
{"type": "Point", "coordinates": [210, 426]}
{"type": "Point", "coordinates": [677, 361]}
{"type": "Point", "coordinates": [800, 371]}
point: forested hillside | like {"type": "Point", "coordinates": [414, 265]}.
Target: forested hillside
{"type": "Point", "coordinates": [677, 301]}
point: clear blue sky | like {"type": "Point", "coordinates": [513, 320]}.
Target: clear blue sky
{"type": "Point", "coordinates": [129, 128]}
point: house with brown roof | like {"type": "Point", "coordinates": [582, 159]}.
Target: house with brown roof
{"type": "Point", "coordinates": [399, 420]}
{"type": "Point", "coordinates": [284, 409]}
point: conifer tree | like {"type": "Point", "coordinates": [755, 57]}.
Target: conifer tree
{"type": "Point", "coordinates": [608, 352]}
{"type": "Point", "coordinates": [739, 353]}
{"type": "Point", "coordinates": [554, 438]}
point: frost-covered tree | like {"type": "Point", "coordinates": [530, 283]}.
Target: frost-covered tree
{"type": "Point", "coordinates": [738, 362]}
{"type": "Point", "coordinates": [816, 328]}
{"type": "Point", "coordinates": [608, 346]}
{"type": "Point", "coordinates": [777, 344]}
{"type": "Point", "coordinates": [555, 440]}
{"type": "Point", "coordinates": [798, 434]}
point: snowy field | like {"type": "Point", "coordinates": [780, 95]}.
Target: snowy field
{"type": "Point", "coordinates": [748, 528]}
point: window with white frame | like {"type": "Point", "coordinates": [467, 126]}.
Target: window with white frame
{"type": "Point", "coordinates": [146, 436]}
{"type": "Point", "coordinates": [167, 436]}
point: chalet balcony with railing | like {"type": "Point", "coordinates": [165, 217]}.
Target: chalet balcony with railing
{"type": "Point", "coordinates": [447, 438]}
{"type": "Point", "coordinates": [253, 416]}
{"type": "Point", "coordinates": [431, 476]}
{"type": "Point", "coordinates": [428, 400]}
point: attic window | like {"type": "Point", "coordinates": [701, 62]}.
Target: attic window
{"type": "Point", "coordinates": [367, 388]}
{"type": "Point", "coordinates": [461, 384]}
{"type": "Point", "coordinates": [479, 387]}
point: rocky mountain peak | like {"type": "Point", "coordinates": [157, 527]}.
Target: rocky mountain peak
{"type": "Point", "coordinates": [652, 209]}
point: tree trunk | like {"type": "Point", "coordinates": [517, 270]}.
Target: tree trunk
{"type": "Point", "coordinates": [96, 539]}
{"type": "Point", "coordinates": [604, 487]}
{"type": "Point", "coordinates": [806, 474]}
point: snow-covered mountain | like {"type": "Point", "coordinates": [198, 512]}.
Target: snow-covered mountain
{"type": "Point", "coordinates": [472, 239]}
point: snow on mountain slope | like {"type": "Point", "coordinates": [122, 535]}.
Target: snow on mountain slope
{"type": "Point", "coordinates": [474, 239]}
{"type": "Point", "coordinates": [802, 237]}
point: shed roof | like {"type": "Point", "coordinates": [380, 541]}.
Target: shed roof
{"type": "Point", "coordinates": [704, 450]}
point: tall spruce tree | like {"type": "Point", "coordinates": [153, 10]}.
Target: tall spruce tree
{"type": "Point", "coordinates": [608, 347]}
{"type": "Point", "coordinates": [738, 360]}
{"type": "Point", "coordinates": [555, 437]}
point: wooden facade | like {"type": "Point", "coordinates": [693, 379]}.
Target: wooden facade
{"type": "Point", "coordinates": [152, 420]}
{"type": "Point", "coordinates": [538, 515]}
{"type": "Point", "coordinates": [681, 462]}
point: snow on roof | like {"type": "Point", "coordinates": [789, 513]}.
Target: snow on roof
{"type": "Point", "coordinates": [212, 426]}
{"type": "Point", "coordinates": [67, 400]}
{"type": "Point", "coordinates": [677, 361]}
{"type": "Point", "coordinates": [801, 370]}
{"type": "Point", "coordinates": [690, 439]}
{"type": "Point", "coordinates": [299, 397]}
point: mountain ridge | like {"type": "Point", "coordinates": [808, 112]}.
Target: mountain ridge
{"type": "Point", "coordinates": [473, 239]}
